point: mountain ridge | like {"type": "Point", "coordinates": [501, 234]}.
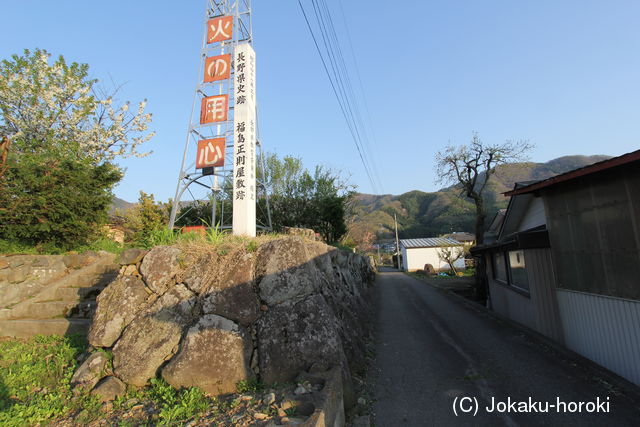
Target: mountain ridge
{"type": "Point", "coordinates": [428, 214]}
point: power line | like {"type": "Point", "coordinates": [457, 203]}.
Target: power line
{"type": "Point", "coordinates": [341, 74]}
{"type": "Point", "coordinates": [358, 116]}
{"type": "Point", "coordinates": [338, 85]}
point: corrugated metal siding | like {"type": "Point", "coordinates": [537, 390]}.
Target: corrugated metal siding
{"type": "Point", "coordinates": [542, 286]}
{"type": "Point", "coordinates": [534, 215]}
{"type": "Point", "coordinates": [513, 305]}
{"type": "Point", "coordinates": [603, 329]}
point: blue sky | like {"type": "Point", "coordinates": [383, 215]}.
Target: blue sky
{"type": "Point", "coordinates": [561, 74]}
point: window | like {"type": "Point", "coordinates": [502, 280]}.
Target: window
{"type": "Point", "coordinates": [518, 270]}
{"type": "Point", "coordinates": [500, 267]}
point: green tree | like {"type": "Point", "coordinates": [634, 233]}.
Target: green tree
{"type": "Point", "coordinates": [62, 134]}
{"type": "Point", "coordinates": [299, 198]}
{"type": "Point", "coordinates": [54, 202]}
{"type": "Point", "coordinates": [145, 219]}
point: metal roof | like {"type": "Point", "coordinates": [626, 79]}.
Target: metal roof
{"type": "Point", "coordinates": [430, 242]}
{"type": "Point", "coordinates": [461, 236]}
{"type": "Point", "coordinates": [576, 173]}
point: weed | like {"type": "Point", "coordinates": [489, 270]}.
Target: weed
{"type": "Point", "coordinates": [252, 246]}
{"type": "Point", "coordinates": [215, 236]}
{"type": "Point", "coordinates": [159, 236]}
{"type": "Point", "coordinates": [250, 386]}
{"type": "Point", "coordinates": [291, 412]}
{"type": "Point", "coordinates": [177, 406]}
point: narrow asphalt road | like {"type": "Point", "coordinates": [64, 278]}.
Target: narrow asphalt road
{"type": "Point", "coordinates": [432, 348]}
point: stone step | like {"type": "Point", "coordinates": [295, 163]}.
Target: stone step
{"type": "Point", "coordinates": [27, 328]}
{"type": "Point", "coordinates": [89, 280]}
{"type": "Point", "coordinates": [78, 294]}
{"type": "Point", "coordinates": [49, 304]}
{"type": "Point", "coordinates": [44, 310]}
{"type": "Point", "coordinates": [51, 310]}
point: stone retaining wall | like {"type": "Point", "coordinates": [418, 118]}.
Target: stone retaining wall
{"type": "Point", "coordinates": [211, 318]}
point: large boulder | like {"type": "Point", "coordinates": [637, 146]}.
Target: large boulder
{"type": "Point", "coordinates": [296, 335]}
{"type": "Point", "coordinates": [109, 388]}
{"type": "Point", "coordinates": [132, 256]}
{"type": "Point", "coordinates": [91, 371]}
{"type": "Point", "coordinates": [203, 270]}
{"type": "Point", "coordinates": [159, 268]}
{"type": "Point", "coordinates": [118, 305]}
{"type": "Point", "coordinates": [284, 271]}
{"type": "Point", "coordinates": [233, 295]}
{"type": "Point", "coordinates": [153, 337]}
{"type": "Point", "coordinates": [214, 356]}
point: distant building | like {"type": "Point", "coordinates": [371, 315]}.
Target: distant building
{"type": "Point", "coordinates": [468, 239]}
{"type": "Point", "coordinates": [418, 252]}
{"type": "Point", "coordinates": [566, 261]}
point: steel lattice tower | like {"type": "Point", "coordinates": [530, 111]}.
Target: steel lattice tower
{"type": "Point", "coordinates": [218, 181]}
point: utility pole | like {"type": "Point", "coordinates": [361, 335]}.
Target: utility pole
{"type": "Point", "coordinates": [395, 219]}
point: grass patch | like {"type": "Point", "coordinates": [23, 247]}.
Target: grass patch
{"type": "Point", "coordinates": [34, 381]}
{"type": "Point", "coordinates": [7, 247]}
{"type": "Point", "coordinates": [35, 387]}
{"type": "Point", "coordinates": [102, 244]}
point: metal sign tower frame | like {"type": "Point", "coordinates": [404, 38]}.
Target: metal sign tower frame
{"type": "Point", "coordinates": [218, 180]}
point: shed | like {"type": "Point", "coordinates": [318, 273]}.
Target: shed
{"type": "Point", "coordinates": [418, 252]}
{"type": "Point", "coordinates": [566, 261]}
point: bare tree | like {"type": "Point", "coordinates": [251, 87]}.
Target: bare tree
{"type": "Point", "coordinates": [471, 166]}
{"type": "Point", "coordinates": [451, 254]}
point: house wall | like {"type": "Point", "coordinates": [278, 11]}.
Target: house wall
{"type": "Point", "coordinates": [603, 329]}
{"type": "Point", "coordinates": [415, 258]}
{"type": "Point", "coordinates": [538, 310]}
{"type": "Point", "coordinates": [542, 286]}
{"type": "Point", "coordinates": [534, 215]}
{"type": "Point", "coordinates": [508, 302]}
{"type": "Point", "coordinates": [594, 230]}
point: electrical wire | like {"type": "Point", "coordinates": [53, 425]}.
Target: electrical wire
{"type": "Point", "coordinates": [337, 81]}
{"type": "Point", "coordinates": [356, 116]}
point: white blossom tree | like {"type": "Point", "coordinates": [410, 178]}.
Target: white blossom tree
{"type": "Point", "coordinates": [59, 136]}
{"type": "Point", "coordinates": [58, 108]}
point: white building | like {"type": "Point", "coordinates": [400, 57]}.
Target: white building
{"type": "Point", "coordinates": [418, 252]}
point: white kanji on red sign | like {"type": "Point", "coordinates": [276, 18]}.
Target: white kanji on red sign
{"type": "Point", "coordinates": [217, 68]}
{"type": "Point", "coordinates": [210, 153]}
{"type": "Point", "coordinates": [219, 29]}
{"type": "Point", "coordinates": [214, 109]}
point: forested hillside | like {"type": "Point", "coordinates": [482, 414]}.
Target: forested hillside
{"type": "Point", "coordinates": [423, 214]}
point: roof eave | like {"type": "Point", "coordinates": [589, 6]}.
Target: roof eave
{"type": "Point", "coordinates": [577, 173]}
